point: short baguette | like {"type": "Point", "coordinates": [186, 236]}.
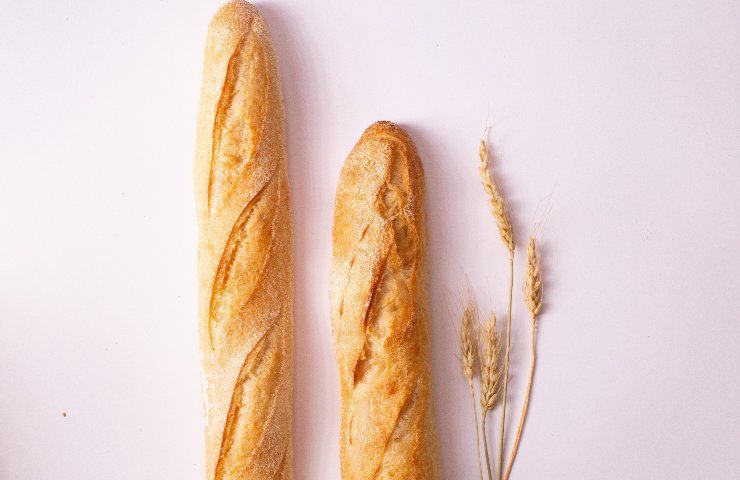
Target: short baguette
{"type": "Point", "coordinates": [245, 252]}
{"type": "Point", "coordinates": [379, 311]}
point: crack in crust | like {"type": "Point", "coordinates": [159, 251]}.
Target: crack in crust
{"type": "Point", "coordinates": [367, 359]}
{"type": "Point", "coordinates": [349, 269]}
{"type": "Point", "coordinates": [240, 117]}
{"type": "Point", "coordinates": [283, 470]}
{"type": "Point", "coordinates": [397, 439]}
{"type": "Point", "coordinates": [241, 255]}
{"type": "Point", "coordinates": [251, 410]}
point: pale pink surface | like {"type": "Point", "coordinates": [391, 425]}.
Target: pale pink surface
{"type": "Point", "coordinates": [624, 117]}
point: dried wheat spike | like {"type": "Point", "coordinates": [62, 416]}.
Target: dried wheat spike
{"type": "Point", "coordinates": [467, 345]}
{"type": "Point", "coordinates": [498, 206]}
{"type": "Point", "coordinates": [533, 286]}
{"type": "Point", "coordinates": [490, 365]}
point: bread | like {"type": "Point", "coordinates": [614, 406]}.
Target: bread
{"type": "Point", "coordinates": [379, 311]}
{"type": "Point", "coordinates": [245, 252]}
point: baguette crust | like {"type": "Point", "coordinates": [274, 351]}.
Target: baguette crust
{"type": "Point", "coordinates": [245, 252]}
{"type": "Point", "coordinates": [379, 311]}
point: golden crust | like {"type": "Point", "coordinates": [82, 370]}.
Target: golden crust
{"type": "Point", "coordinates": [245, 252]}
{"type": "Point", "coordinates": [379, 311]}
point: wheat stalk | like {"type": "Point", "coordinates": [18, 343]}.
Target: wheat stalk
{"type": "Point", "coordinates": [533, 299]}
{"type": "Point", "coordinates": [501, 214]}
{"type": "Point", "coordinates": [490, 377]}
{"type": "Point", "coordinates": [468, 349]}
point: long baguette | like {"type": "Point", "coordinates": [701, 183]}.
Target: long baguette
{"type": "Point", "coordinates": [245, 252]}
{"type": "Point", "coordinates": [379, 311]}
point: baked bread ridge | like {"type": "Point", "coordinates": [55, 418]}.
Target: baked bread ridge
{"type": "Point", "coordinates": [245, 257]}
{"type": "Point", "coordinates": [379, 313]}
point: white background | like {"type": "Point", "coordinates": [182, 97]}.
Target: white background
{"type": "Point", "coordinates": [620, 119]}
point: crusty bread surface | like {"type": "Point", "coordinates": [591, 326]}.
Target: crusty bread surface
{"type": "Point", "coordinates": [379, 311]}
{"type": "Point", "coordinates": [245, 252]}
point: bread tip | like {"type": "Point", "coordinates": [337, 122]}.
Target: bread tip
{"type": "Point", "coordinates": [386, 127]}
{"type": "Point", "coordinates": [235, 16]}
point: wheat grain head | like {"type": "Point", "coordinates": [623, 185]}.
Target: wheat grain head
{"type": "Point", "coordinates": [533, 285]}
{"type": "Point", "coordinates": [498, 206]}
{"type": "Point", "coordinates": [490, 365]}
{"type": "Point", "coordinates": [467, 343]}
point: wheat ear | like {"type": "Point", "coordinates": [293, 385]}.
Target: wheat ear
{"type": "Point", "coordinates": [533, 299]}
{"type": "Point", "coordinates": [498, 206]}
{"type": "Point", "coordinates": [468, 349]}
{"type": "Point", "coordinates": [490, 376]}
{"type": "Point", "coordinates": [501, 214]}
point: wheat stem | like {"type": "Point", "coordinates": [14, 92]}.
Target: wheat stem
{"type": "Point", "coordinates": [525, 405]}
{"type": "Point", "coordinates": [506, 368]}
{"type": "Point", "coordinates": [485, 444]}
{"type": "Point", "coordinates": [477, 435]}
